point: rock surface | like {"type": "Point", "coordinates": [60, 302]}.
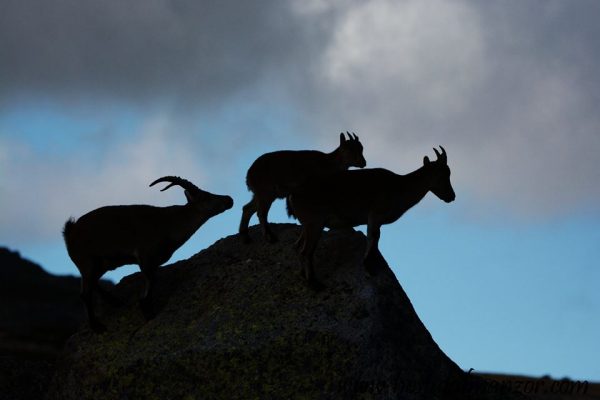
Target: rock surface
{"type": "Point", "coordinates": [237, 322]}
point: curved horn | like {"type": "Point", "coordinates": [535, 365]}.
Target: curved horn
{"type": "Point", "coordinates": [175, 180]}
{"type": "Point", "coordinates": [444, 156]}
{"type": "Point", "coordinates": [355, 137]}
{"type": "Point", "coordinates": [349, 136]}
{"type": "Point", "coordinates": [437, 153]}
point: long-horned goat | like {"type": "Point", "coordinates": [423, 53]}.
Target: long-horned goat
{"type": "Point", "coordinates": [275, 175]}
{"type": "Point", "coordinates": [374, 197]}
{"type": "Point", "coordinates": [110, 237]}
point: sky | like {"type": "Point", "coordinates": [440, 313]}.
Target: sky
{"type": "Point", "coordinates": [98, 99]}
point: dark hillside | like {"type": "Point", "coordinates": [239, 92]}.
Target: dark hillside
{"type": "Point", "coordinates": [39, 311]}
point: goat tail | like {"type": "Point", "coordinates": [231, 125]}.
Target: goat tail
{"type": "Point", "coordinates": [289, 207]}
{"type": "Point", "coordinates": [68, 234]}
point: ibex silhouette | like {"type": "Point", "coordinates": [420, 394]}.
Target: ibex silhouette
{"type": "Point", "coordinates": [110, 237]}
{"type": "Point", "coordinates": [275, 175]}
{"type": "Point", "coordinates": [374, 197]}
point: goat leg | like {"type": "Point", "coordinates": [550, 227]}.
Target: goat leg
{"type": "Point", "coordinates": [263, 207]}
{"type": "Point", "coordinates": [146, 302]}
{"type": "Point", "coordinates": [89, 279]}
{"type": "Point", "coordinates": [107, 295]}
{"type": "Point", "coordinates": [312, 234]}
{"type": "Point", "coordinates": [372, 252]}
{"type": "Point", "coordinates": [247, 212]}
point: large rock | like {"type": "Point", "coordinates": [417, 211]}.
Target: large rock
{"type": "Point", "coordinates": [237, 322]}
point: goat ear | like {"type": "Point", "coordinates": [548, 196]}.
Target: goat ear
{"type": "Point", "coordinates": [342, 138]}
{"type": "Point", "coordinates": [425, 160]}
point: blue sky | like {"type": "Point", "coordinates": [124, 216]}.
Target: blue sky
{"type": "Point", "coordinates": [99, 99]}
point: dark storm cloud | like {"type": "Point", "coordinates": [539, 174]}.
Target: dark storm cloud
{"type": "Point", "coordinates": [139, 49]}
{"type": "Point", "coordinates": [510, 88]}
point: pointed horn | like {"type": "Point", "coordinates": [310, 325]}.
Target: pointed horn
{"type": "Point", "coordinates": [175, 180]}
{"type": "Point", "coordinates": [437, 153]}
{"type": "Point", "coordinates": [355, 137]}
{"type": "Point", "coordinates": [444, 156]}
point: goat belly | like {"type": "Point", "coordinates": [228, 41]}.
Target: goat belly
{"type": "Point", "coordinates": [339, 223]}
{"type": "Point", "coordinates": [116, 261]}
{"type": "Point", "coordinates": [343, 220]}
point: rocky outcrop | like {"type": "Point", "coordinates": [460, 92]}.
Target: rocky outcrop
{"type": "Point", "coordinates": [236, 321]}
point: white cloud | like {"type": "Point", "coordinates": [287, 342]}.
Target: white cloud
{"type": "Point", "coordinates": [429, 50]}
{"type": "Point", "coordinates": [514, 109]}
{"type": "Point", "coordinates": [541, 159]}
{"type": "Point", "coordinates": [40, 192]}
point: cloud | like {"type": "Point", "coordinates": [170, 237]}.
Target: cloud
{"type": "Point", "coordinates": [431, 51]}
{"type": "Point", "coordinates": [510, 89]}
{"type": "Point", "coordinates": [183, 50]}
{"type": "Point", "coordinates": [511, 99]}
{"type": "Point", "coordinates": [39, 192]}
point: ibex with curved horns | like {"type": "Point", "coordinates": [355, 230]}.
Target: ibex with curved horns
{"type": "Point", "coordinates": [374, 197]}
{"type": "Point", "coordinates": [110, 237]}
{"type": "Point", "coordinates": [275, 175]}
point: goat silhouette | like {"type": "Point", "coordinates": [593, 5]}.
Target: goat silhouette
{"type": "Point", "coordinates": [110, 237]}
{"type": "Point", "coordinates": [374, 197]}
{"type": "Point", "coordinates": [275, 175]}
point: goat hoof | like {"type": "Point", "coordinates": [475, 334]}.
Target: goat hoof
{"type": "Point", "coordinates": [245, 238]}
{"type": "Point", "coordinates": [149, 315]}
{"type": "Point", "coordinates": [113, 301]}
{"type": "Point", "coordinates": [97, 327]}
{"type": "Point", "coordinates": [373, 262]}
{"type": "Point", "coordinates": [302, 274]}
{"type": "Point", "coordinates": [147, 310]}
{"type": "Point", "coordinates": [271, 238]}
{"type": "Point", "coordinates": [371, 267]}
